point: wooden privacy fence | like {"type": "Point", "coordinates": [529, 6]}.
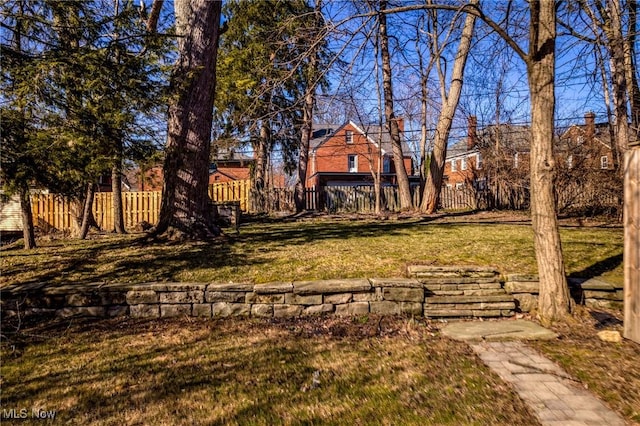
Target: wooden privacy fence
{"type": "Point", "coordinates": [55, 212]}
{"type": "Point", "coordinates": [52, 211]}
{"type": "Point", "coordinates": [136, 207]}
{"type": "Point", "coordinates": [362, 198]}
{"type": "Point", "coordinates": [238, 190]}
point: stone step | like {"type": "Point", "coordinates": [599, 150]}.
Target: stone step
{"type": "Point", "coordinates": [496, 298]}
{"type": "Point", "coordinates": [463, 271]}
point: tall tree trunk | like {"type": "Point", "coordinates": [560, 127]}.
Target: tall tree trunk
{"type": "Point", "coordinates": [554, 300]}
{"type": "Point", "coordinates": [185, 202]}
{"type": "Point", "coordinates": [631, 66]}
{"type": "Point", "coordinates": [423, 132]}
{"type": "Point", "coordinates": [394, 130]}
{"type": "Point", "coordinates": [154, 16]}
{"type": "Point", "coordinates": [303, 160]}
{"type": "Point", "coordinates": [616, 47]}
{"type": "Point", "coordinates": [116, 169]}
{"type": "Point", "coordinates": [87, 211]}
{"type": "Point", "coordinates": [433, 181]}
{"type": "Point", "coordinates": [259, 182]}
{"type": "Point", "coordinates": [116, 191]}
{"type": "Point", "coordinates": [300, 196]}
{"type": "Point", "coordinates": [28, 230]}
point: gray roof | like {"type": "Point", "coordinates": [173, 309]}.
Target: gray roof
{"type": "Point", "coordinates": [510, 137]}
{"type": "Point", "coordinates": [231, 155]}
{"type": "Point", "coordinates": [322, 131]}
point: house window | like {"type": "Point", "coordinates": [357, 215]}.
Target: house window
{"type": "Point", "coordinates": [349, 136]}
{"type": "Point", "coordinates": [515, 160]}
{"type": "Point", "coordinates": [580, 140]}
{"type": "Point", "coordinates": [459, 186]}
{"type": "Point", "coordinates": [478, 161]}
{"type": "Point", "coordinates": [481, 184]}
{"type": "Point", "coordinates": [386, 165]}
{"type": "Point", "coordinates": [463, 163]}
{"type": "Point", "coordinates": [454, 166]}
{"type": "Point", "coordinates": [604, 162]}
{"type": "Point", "coordinates": [570, 162]}
{"type": "Point", "coordinates": [353, 163]}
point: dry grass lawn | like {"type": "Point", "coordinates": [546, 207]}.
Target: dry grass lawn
{"type": "Point", "coordinates": [315, 371]}
{"type": "Point", "coordinates": [315, 249]}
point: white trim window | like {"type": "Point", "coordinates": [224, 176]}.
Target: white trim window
{"type": "Point", "coordinates": [478, 161]}
{"type": "Point", "coordinates": [352, 163]}
{"type": "Point", "coordinates": [454, 166]}
{"type": "Point", "coordinates": [463, 163]}
{"type": "Point", "coordinates": [570, 162]}
{"type": "Point", "coordinates": [348, 135]}
{"type": "Point", "coordinates": [515, 160]}
{"type": "Point", "coordinates": [604, 162]}
{"type": "Point", "coordinates": [459, 186]}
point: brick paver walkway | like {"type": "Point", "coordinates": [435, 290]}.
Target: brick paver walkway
{"type": "Point", "coordinates": [555, 398]}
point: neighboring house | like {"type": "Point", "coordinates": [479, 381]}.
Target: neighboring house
{"type": "Point", "coordinates": [347, 154]}
{"type": "Point", "coordinates": [10, 214]}
{"type": "Point", "coordinates": [230, 166]}
{"type": "Point", "coordinates": [588, 145]}
{"type": "Point", "coordinates": [144, 179]}
{"type": "Point", "coordinates": [499, 155]}
{"type": "Point", "coordinates": [463, 160]}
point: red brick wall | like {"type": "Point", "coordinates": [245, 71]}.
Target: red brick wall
{"type": "Point", "coordinates": [459, 176]}
{"type": "Point", "coordinates": [332, 155]}
{"type": "Point", "coordinates": [227, 174]}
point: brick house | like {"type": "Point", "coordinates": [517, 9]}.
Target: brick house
{"type": "Point", "coordinates": [497, 158]}
{"type": "Point", "coordinates": [588, 145]}
{"type": "Point", "coordinates": [463, 160]}
{"type": "Point", "coordinates": [347, 154]}
{"type": "Point", "coordinates": [146, 179]}
{"type": "Point", "coordinates": [230, 166]}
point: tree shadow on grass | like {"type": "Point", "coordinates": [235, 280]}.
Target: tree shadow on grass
{"type": "Point", "coordinates": [598, 268]}
{"type": "Point", "coordinates": [120, 260]}
{"type": "Point", "coordinates": [215, 372]}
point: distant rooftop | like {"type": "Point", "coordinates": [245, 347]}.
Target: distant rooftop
{"type": "Point", "coordinates": [375, 132]}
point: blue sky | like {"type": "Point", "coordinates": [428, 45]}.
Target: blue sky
{"type": "Point", "coordinates": [494, 74]}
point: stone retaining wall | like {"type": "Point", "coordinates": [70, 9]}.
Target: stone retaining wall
{"type": "Point", "coordinates": [439, 292]}
{"type": "Point", "coordinates": [590, 292]}
{"type": "Point", "coordinates": [431, 291]}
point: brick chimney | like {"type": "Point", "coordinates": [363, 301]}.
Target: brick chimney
{"type": "Point", "coordinates": [472, 134]}
{"type": "Point", "coordinates": [590, 125]}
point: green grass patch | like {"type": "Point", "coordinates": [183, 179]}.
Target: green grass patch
{"type": "Point", "coordinates": [316, 371]}
{"type": "Point", "coordinates": [312, 249]}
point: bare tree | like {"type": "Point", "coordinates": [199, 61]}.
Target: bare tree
{"type": "Point", "coordinates": [555, 302]}
{"type": "Point", "coordinates": [307, 109]}
{"type": "Point", "coordinates": [450, 99]}
{"type": "Point", "coordinates": [392, 122]}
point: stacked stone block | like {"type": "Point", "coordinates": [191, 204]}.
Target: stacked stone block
{"type": "Point", "coordinates": [590, 292]}
{"type": "Point", "coordinates": [434, 292]}
{"type": "Point", "coordinates": [462, 292]}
